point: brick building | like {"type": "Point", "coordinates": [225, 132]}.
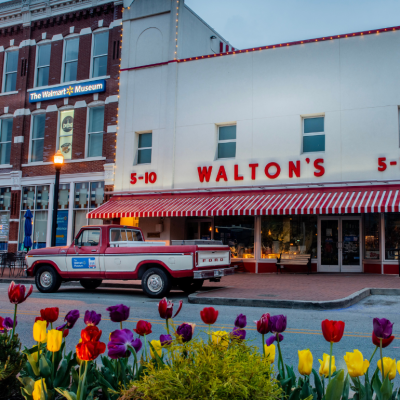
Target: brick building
{"type": "Point", "coordinates": [59, 74]}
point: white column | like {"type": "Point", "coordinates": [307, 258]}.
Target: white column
{"type": "Point", "coordinates": [50, 215]}
{"type": "Point", "coordinates": [257, 240]}
{"type": "Point", "coordinates": [382, 241]}
{"type": "Point", "coordinates": [71, 212]}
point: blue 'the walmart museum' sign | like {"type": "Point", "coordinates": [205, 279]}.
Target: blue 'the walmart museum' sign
{"type": "Point", "coordinates": [75, 89]}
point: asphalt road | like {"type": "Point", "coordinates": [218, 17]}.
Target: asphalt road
{"type": "Point", "coordinates": [303, 330]}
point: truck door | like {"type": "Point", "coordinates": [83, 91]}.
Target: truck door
{"type": "Point", "coordinates": [83, 258]}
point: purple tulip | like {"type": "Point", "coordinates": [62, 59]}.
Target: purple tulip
{"type": "Point", "coordinates": [238, 333]}
{"type": "Point", "coordinates": [166, 340]}
{"type": "Point", "coordinates": [272, 339]}
{"type": "Point", "coordinates": [61, 327]}
{"type": "Point", "coordinates": [382, 328]}
{"type": "Point", "coordinates": [71, 318]}
{"type": "Point", "coordinates": [92, 318]}
{"type": "Point", "coordinates": [241, 321]}
{"type": "Point", "coordinates": [120, 343]}
{"type": "Point", "coordinates": [8, 323]}
{"type": "Point", "coordinates": [185, 332]}
{"type": "Point", "coordinates": [118, 313]}
{"type": "Point", "coordinates": [277, 323]}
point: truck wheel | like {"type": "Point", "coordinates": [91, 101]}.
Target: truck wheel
{"type": "Point", "coordinates": [190, 285]}
{"type": "Point", "coordinates": [47, 280]}
{"type": "Point", "coordinates": [90, 284]}
{"type": "Point", "coordinates": [156, 283]}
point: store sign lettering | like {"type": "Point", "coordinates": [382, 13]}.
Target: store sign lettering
{"type": "Point", "coordinates": [67, 91]}
{"type": "Point", "coordinates": [272, 170]}
{"type": "Point", "coordinates": [383, 164]}
{"type": "Point", "coordinates": [147, 178]}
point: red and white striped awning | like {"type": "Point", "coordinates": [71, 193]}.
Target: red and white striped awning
{"type": "Point", "coordinates": [341, 200]}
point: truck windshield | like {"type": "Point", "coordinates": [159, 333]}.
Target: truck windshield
{"type": "Point", "coordinates": [125, 235]}
{"type": "Point", "coordinates": [89, 237]}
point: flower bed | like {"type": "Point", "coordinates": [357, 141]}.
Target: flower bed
{"type": "Point", "coordinates": [180, 365]}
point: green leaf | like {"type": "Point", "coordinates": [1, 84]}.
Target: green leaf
{"type": "Point", "coordinates": [386, 389]}
{"type": "Point", "coordinates": [335, 388]}
{"type": "Point", "coordinates": [44, 367]}
{"type": "Point", "coordinates": [318, 384]}
{"type": "Point", "coordinates": [295, 395]}
{"type": "Point", "coordinates": [60, 376]}
{"type": "Point", "coordinates": [33, 364]}
{"type": "Point", "coordinates": [92, 392]}
{"type": "Point", "coordinates": [376, 386]}
{"type": "Point", "coordinates": [346, 388]}
{"type": "Point", "coordinates": [306, 391]}
{"type": "Point", "coordinates": [66, 394]}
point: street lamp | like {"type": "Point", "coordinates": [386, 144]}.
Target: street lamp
{"type": "Point", "coordinates": [58, 162]}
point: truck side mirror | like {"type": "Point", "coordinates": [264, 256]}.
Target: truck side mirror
{"type": "Point", "coordinates": [76, 242]}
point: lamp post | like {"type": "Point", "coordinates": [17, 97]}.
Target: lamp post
{"type": "Point", "coordinates": [58, 162]}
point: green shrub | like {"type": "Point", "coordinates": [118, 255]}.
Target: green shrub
{"type": "Point", "coordinates": [204, 371]}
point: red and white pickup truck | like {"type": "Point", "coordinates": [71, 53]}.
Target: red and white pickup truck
{"type": "Point", "coordinates": [102, 252]}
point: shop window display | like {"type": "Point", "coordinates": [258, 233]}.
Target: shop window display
{"type": "Point", "coordinates": [372, 224]}
{"type": "Point", "coordinates": [296, 234]}
{"type": "Point", "coordinates": [5, 206]}
{"type": "Point", "coordinates": [392, 236]}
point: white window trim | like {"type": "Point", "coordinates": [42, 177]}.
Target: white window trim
{"type": "Point", "coordinates": [42, 43]}
{"type": "Point", "coordinates": [92, 105]}
{"type": "Point", "coordinates": [1, 128]}
{"type": "Point", "coordinates": [303, 118]}
{"type": "Point", "coordinates": [97, 31]}
{"type": "Point", "coordinates": [69, 37]}
{"type": "Point", "coordinates": [34, 114]}
{"type": "Point", "coordinates": [226, 141]}
{"type": "Point", "coordinates": [143, 148]}
{"type": "Point", "coordinates": [9, 50]}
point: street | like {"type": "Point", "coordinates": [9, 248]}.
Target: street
{"type": "Point", "coordinates": [303, 329]}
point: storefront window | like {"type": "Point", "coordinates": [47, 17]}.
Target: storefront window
{"type": "Point", "coordinates": [295, 234]}
{"type": "Point", "coordinates": [392, 236]}
{"type": "Point", "coordinates": [5, 205]}
{"type": "Point", "coordinates": [236, 232]}
{"type": "Point", "coordinates": [372, 223]}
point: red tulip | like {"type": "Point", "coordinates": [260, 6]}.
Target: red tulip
{"type": "Point", "coordinates": [91, 334]}
{"type": "Point", "coordinates": [385, 342]}
{"type": "Point", "coordinates": [332, 330]}
{"type": "Point", "coordinates": [50, 314]}
{"type": "Point", "coordinates": [209, 315]}
{"type": "Point", "coordinates": [1, 324]}
{"type": "Point", "coordinates": [16, 293]}
{"type": "Point", "coordinates": [88, 351]}
{"type": "Point", "coordinates": [165, 308]}
{"type": "Point", "coordinates": [41, 319]}
{"type": "Point", "coordinates": [143, 328]}
{"type": "Point", "coordinates": [263, 324]}
{"type": "Point", "coordinates": [65, 332]}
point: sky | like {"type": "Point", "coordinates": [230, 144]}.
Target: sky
{"type": "Point", "coordinates": [250, 23]}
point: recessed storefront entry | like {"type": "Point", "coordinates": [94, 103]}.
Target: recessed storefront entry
{"type": "Point", "coordinates": [339, 244]}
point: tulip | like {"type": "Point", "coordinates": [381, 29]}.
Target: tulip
{"type": "Point", "coordinates": [143, 328]}
{"type": "Point", "coordinates": [71, 318]}
{"type": "Point", "coordinates": [39, 331]}
{"type": "Point", "coordinates": [165, 308]}
{"type": "Point", "coordinates": [8, 323]}
{"type": "Point", "coordinates": [241, 321]}
{"type": "Point", "coordinates": [389, 367]}
{"type": "Point", "coordinates": [382, 328]}
{"type": "Point", "coordinates": [184, 332]}
{"type": "Point", "coordinates": [91, 318]}
{"type": "Point", "coordinates": [332, 330]}
{"type": "Point", "coordinates": [1, 325]}
{"type": "Point", "coordinates": [64, 330]}
{"type": "Point", "coordinates": [38, 389]}
{"type": "Point", "coordinates": [277, 323]}
{"type": "Point", "coordinates": [238, 334]}
{"type": "Point", "coordinates": [269, 353]}
{"type": "Point", "coordinates": [156, 345]}
{"type": "Point", "coordinates": [89, 351]}
{"type": "Point", "coordinates": [16, 295]}
{"type": "Point", "coordinates": [263, 324]}
{"type": "Point", "coordinates": [119, 313]}
{"type": "Point", "coordinates": [166, 340]}
{"type": "Point", "coordinates": [356, 364]}
{"type": "Point", "coordinates": [398, 366]}
{"type": "Point", "coordinates": [305, 362]}
{"type": "Point", "coordinates": [326, 366]}
{"type": "Point", "coordinates": [209, 315]}
{"type": "Point", "coordinates": [274, 338]}
{"type": "Point", "coordinates": [385, 342]}
{"type": "Point", "coordinates": [54, 340]}
{"type": "Point", "coordinates": [50, 314]}
{"type": "Point", "coordinates": [121, 341]}
{"type": "Point", "coordinates": [220, 338]}
{"type": "Point", "coordinates": [91, 334]}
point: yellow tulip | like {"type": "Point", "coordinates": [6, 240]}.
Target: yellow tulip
{"type": "Point", "coordinates": [37, 389]}
{"type": "Point", "coordinates": [220, 338]}
{"type": "Point", "coordinates": [356, 364]}
{"type": "Point", "coordinates": [389, 365]}
{"type": "Point", "coordinates": [305, 362]}
{"type": "Point", "coordinates": [324, 367]}
{"type": "Point", "coordinates": [270, 353]}
{"type": "Point", "coordinates": [398, 366]}
{"type": "Point", "coordinates": [39, 331]}
{"type": "Point", "coordinates": [157, 347]}
{"type": "Point", "coordinates": [54, 340]}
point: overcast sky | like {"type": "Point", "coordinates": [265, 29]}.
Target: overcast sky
{"type": "Point", "coordinates": [248, 23]}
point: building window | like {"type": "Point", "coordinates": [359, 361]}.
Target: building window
{"type": "Point", "coordinates": [392, 236]}
{"type": "Point", "coordinates": [66, 133]}
{"type": "Point", "coordinates": [36, 198]}
{"type": "Point", "coordinates": [71, 59]}
{"type": "Point", "coordinates": [236, 232]}
{"type": "Point", "coordinates": [11, 67]}
{"type": "Point", "coordinates": [96, 130]}
{"type": "Point", "coordinates": [281, 234]}
{"type": "Point", "coordinates": [43, 64]}
{"type": "Point", "coordinates": [313, 134]}
{"type": "Point", "coordinates": [227, 141]}
{"type": "Point", "coordinates": [100, 52]}
{"type": "Point", "coordinates": [5, 207]}
{"type": "Point", "coordinates": [372, 224]}
{"type": "Point", "coordinates": [88, 196]}
{"type": "Point", "coordinates": [144, 148]}
{"type": "Point", "coordinates": [5, 140]}
{"type": "Point", "coordinates": [38, 124]}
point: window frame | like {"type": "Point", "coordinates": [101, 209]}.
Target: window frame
{"type": "Point", "coordinates": [303, 118]}
{"type": "Point", "coordinates": [34, 114]}
{"type": "Point", "coordinates": [144, 148]}
{"type": "Point", "coordinates": [43, 43]}
{"type": "Point", "coordinates": [5, 73]}
{"type": "Point", "coordinates": [1, 129]}
{"type": "Point", "coordinates": [70, 37]}
{"type": "Point", "coordinates": [226, 141]}
{"type": "Point", "coordinates": [87, 141]}
{"type": "Point", "coordinates": [92, 56]}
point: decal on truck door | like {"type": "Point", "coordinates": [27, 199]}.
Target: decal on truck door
{"type": "Point", "coordinates": [84, 263]}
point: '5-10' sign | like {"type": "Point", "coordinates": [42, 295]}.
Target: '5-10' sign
{"type": "Point", "coordinates": [148, 177]}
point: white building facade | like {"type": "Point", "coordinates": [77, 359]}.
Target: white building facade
{"type": "Point", "coordinates": [291, 148]}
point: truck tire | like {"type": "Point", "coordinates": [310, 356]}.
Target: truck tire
{"type": "Point", "coordinates": [90, 284]}
{"type": "Point", "coordinates": [190, 285]}
{"type": "Point", "coordinates": [156, 283]}
{"type": "Point", "coordinates": [47, 279]}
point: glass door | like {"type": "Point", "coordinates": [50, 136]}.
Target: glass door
{"type": "Point", "coordinates": [351, 244]}
{"type": "Point", "coordinates": [329, 245]}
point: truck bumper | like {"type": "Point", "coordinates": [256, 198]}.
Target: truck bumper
{"type": "Point", "coordinates": [214, 273]}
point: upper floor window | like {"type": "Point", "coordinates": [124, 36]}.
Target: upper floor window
{"type": "Point", "coordinates": [37, 137]}
{"type": "Point", "coordinates": [71, 59]}
{"type": "Point", "coordinates": [10, 75]}
{"type": "Point", "coordinates": [96, 130]}
{"type": "Point", "coordinates": [43, 64]}
{"type": "Point", "coordinates": [313, 134]}
{"type": "Point", "coordinates": [5, 140]}
{"type": "Point", "coordinates": [100, 51]}
{"type": "Point", "coordinates": [144, 148]}
{"type": "Point", "coordinates": [227, 141]}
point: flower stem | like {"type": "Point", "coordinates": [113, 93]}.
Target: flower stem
{"type": "Point", "coordinates": [383, 371]}
{"type": "Point", "coordinates": [145, 346]}
{"type": "Point", "coordinates": [38, 346]}
{"type": "Point", "coordinates": [15, 320]}
{"type": "Point", "coordinates": [330, 363]}
{"type": "Point", "coordinates": [120, 324]}
{"type": "Point", "coordinates": [280, 356]}
{"type": "Point", "coordinates": [376, 348]}
{"type": "Point", "coordinates": [51, 325]}
{"type": "Point", "coordinates": [52, 368]}
{"type": "Point", "coordinates": [263, 344]}
{"type": "Point", "coordinates": [166, 322]}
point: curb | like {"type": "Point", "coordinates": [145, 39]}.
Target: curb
{"type": "Point", "coordinates": [295, 304]}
